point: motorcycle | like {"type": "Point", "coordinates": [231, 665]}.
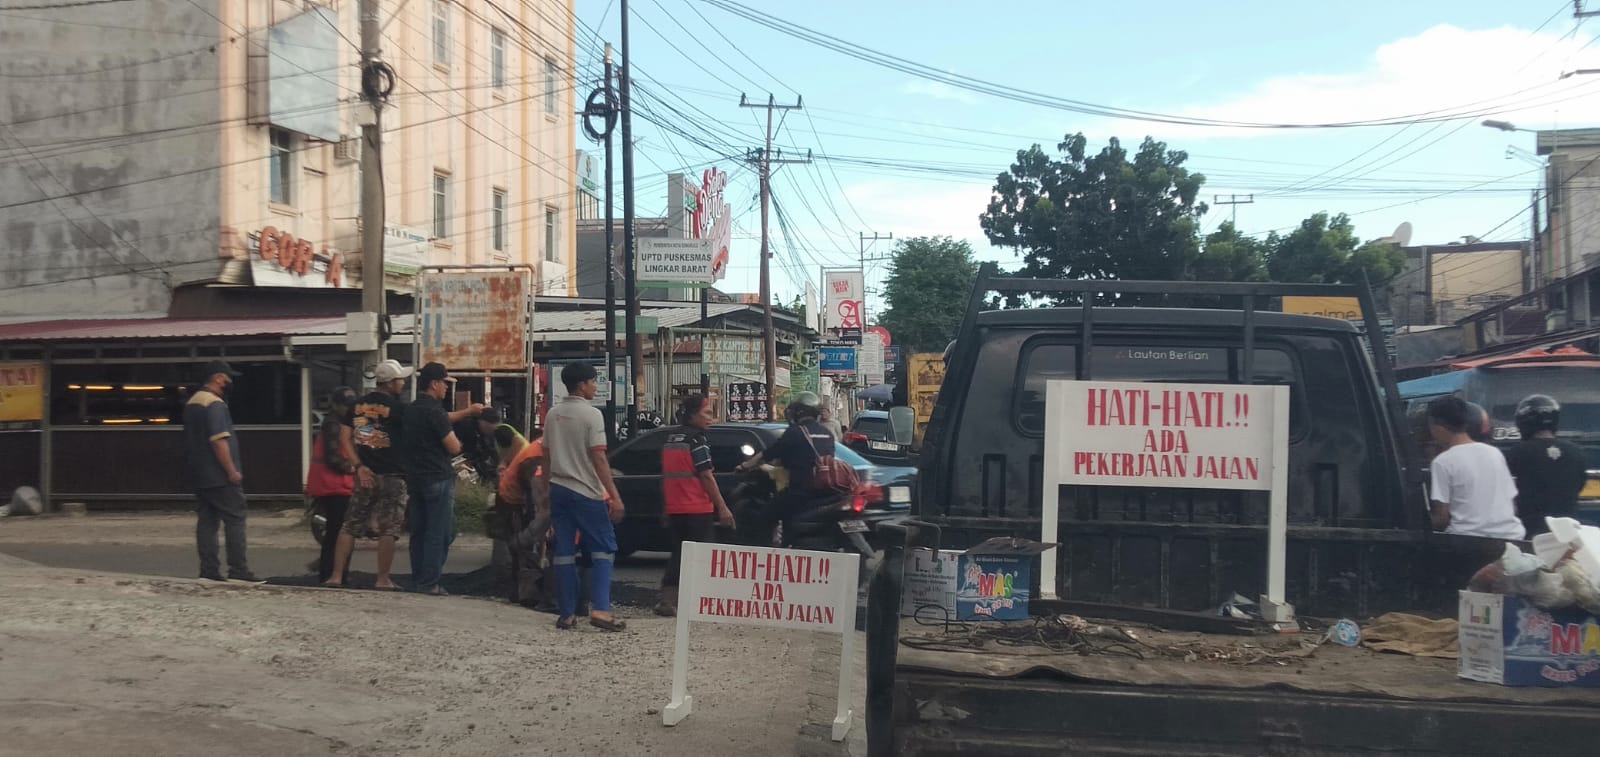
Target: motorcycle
{"type": "Point", "coordinates": [829, 524]}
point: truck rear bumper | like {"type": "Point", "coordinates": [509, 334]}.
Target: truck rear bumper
{"type": "Point", "coordinates": [961, 715]}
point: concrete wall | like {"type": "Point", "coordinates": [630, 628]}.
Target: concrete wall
{"type": "Point", "coordinates": [109, 154]}
{"type": "Point", "coordinates": [1463, 282]}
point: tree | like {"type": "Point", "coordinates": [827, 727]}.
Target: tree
{"type": "Point", "coordinates": [1231, 256]}
{"type": "Point", "coordinates": [930, 279]}
{"type": "Point", "coordinates": [1325, 250]}
{"type": "Point", "coordinates": [1102, 216]}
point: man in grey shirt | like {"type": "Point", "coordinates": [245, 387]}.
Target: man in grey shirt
{"type": "Point", "coordinates": [212, 452]}
{"type": "Point", "coordinates": [583, 499]}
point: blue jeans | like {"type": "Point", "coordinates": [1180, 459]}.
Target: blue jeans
{"type": "Point", "coordinates": [574, 514]}
{"type": "Point", "coordinates": [433, 527]}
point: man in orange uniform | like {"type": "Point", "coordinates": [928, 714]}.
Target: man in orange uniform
{"type": "Point", "coordinates": [526, 500]}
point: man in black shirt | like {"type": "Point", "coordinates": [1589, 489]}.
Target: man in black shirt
{"type": "Point", "coordinates": [378, 507]}
{"type": "Point", "coordinates": [1549, 472]}
{"type": "Point", "coordinates": [216, 475]}
{"type": "Point", "coordinates": [428, 445]}
{"type": "Point", "coordinates": [797, 450]}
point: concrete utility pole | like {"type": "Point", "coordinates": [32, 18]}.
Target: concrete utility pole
{"type": "Point", "coordinates": [1235, 202]}
{"type": "Point", "coordinates": [630, 283]}
{"type": "Point", "coordinates": [602, 107]}
{"type": "Point", "coordinates": [377, 80]}
{"type": "Point", "coordinates": [765, 162]}
{"type": "Point", "coordinates": [875, 238]}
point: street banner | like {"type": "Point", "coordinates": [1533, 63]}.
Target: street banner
{"type": "Point", "coordinates": [869, 361]}
{"type": "Point", "coordinates": [676, 262]}
{"type": "Point", "coordinates": [926, 375]}
{"type": "Point", "coordinates": [1169, 435]}
{"type": "Point", "coordinates": [845, 294]}
{"type": "Point", "coordinates": [837, 360]}
{"type": "Point", "coordinates": [747, 401]}
{"type": "Point", "coordinates": [475, 320]}
{"type": "Point", "coordinates": [772, 588]}
{"type": "Point", "coordinates": [21, 392]}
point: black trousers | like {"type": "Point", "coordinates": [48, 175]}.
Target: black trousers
{"type": "Point", "coordinates": [701, 527]}
{"type": "Point", "coordinates": [333, 508]}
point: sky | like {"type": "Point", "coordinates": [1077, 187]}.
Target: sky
{"type": "Point", "coordinates": [897, 153]}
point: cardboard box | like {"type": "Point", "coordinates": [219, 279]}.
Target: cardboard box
{"type": "Point", "coordinates": [930, 581]}
{"type": "Point", "coordinates": [990, 581]}
{"type": "Point", "coordinates": [1508, 641]}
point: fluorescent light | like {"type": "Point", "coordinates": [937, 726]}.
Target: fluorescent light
{"type": "Point", "coordinates": [142, 387]}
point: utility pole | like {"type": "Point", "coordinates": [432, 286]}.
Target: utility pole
{"type": "Point", "coordinates": [875, 238]}
{"type": "Point", "coordinates": [602, 105]}
{"type": "Point", "coordinates": [768, 335]}
{"type": "Point", "coordinates": [629, 281]}
{"type": "Point", "coordinates": [377, 80]}
{"type": "Point", "coordinates": [1579, 12]}
{"type": "Point", "coordinates": [1235, 202]}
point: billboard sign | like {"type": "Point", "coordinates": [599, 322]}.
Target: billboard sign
{"type": "Point", "coordinates": [870, 359]}
{"type": "Point", "coordinates": [676, 262]}
{"type": "Point", "coordinates": [475, 320]}
{"type": "Point", "coordinates": [21, 392]}
{"type": "Point", "coordinates": [836, 360]}
{"type": "Point", "coordinates": [711, 220]}
{"type": "Point", "coordinates": [846, 294]}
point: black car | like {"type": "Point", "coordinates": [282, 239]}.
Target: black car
{"type": "Point", "coordinates": [636, 466]}
{"type": "Point", "coordinates": [872, 435]}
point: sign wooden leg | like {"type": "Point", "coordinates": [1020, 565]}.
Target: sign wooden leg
{"type": "Point", "coordinates": [682, 704]}
{"type": "Point", "coordinates": [844, 715]}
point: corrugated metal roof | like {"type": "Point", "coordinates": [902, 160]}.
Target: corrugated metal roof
{"type": "Point", "coordinates": [595, 320]}
{"type": "Point", "coordinates": [168, 328]}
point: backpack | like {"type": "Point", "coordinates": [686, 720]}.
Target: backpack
{"type": "Point", "coordinates": [830, 474]}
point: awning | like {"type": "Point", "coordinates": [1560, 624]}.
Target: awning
{"type": "Point", "coordinates": [95, 330]}
{"type": "Point", "coordinates": [1566, 355]}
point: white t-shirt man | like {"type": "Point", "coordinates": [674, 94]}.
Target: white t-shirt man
{"type": "Point", "coordinates": [1474, 482]}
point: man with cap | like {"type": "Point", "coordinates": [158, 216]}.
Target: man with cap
{"type": "Point", "coordinates": [429, 443]}
{"type": "Point", "coordinates": [212, 450]}
{"type": "Point", "coordinates": [378, 506]}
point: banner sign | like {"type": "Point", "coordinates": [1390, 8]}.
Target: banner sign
{"type": "Point", "coordinates": [869, 361]}
{"type": "Point", "coordinates": [1170, 435]}
{"type": "Point", "coordinates": [747, 401]}
{"type": "Point", "coordinates": [21, 392]}
{"type": "Point", "coordinates": [676, 262]}
{"type": "Point", "coordinates": [837, 360]}
{"type": "Point", "coordinates": [722, 355]}
{"type": "Point", "coordinates": [712, 220]}
{"type": "Point", "coordinates": [926, 374]}
{"type": "Point", "coordinates": [475, 320]}
{"type": "Point", "coordinates": [845, 294]}
{"type": "Point", "coordinates": [772, 588]}
{"type": "Point", "coordinates": [1192, 436]}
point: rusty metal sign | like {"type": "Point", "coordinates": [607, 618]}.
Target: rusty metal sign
{"type": "Point", "coordinates": [475, 320]}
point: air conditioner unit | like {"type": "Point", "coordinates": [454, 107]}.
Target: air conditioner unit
{"type": "Point", "coordinates": [348, 149]}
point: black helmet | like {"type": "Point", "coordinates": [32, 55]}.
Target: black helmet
{"type": "Point", "coordinates": [804, 405]}
{"type": "Point", "coordinates": [1537, 412]}
{"type": "Point", "coordinates": [1478, 426]}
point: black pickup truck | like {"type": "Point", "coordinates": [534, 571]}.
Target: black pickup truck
{"type": "Point", "coordinates": [1359, 545]}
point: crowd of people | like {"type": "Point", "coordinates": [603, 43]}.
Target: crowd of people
{"type": "Point", "coordinates": [1478, 490]}
{"type": "Point", "coordinates": [382, 464]}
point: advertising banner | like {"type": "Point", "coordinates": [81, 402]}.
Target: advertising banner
{"type": "Point", "coordinates": [837, 360]}
{"type": "Point", "coordinates": [475, 320]}
{"type": "Point", "coordinates": [21, 392]}
{"type": "Point", "coordinates": [869, 361]}
{"type": "Point", "coordinates": [845, 294]}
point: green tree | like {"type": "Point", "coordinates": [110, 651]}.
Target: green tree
{"type": "Point", "coordinates": [1325, 250]}
{"type": "Point", "coordinates": [1231, 256]}
{"type": "Point", "coordinates": [1109, 215]}
{"type": "Point", "coordinates": [929, 281]}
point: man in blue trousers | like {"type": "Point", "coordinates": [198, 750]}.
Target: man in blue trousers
{"type": "Point", "coordinates": [583, 498]}
{"type": "Point", "coordinates": [429, 444]}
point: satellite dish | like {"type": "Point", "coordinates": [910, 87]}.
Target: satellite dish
{"type": "Point", "coordinates": [1402, 234]}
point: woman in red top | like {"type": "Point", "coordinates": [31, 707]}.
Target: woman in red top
{"type": "Point", "coordinates": [331, 480]}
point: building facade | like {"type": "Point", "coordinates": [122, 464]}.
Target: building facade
{"type": "Point", "coordinates": [166, 144]}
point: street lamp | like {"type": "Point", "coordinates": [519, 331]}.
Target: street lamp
{"type": "Point", "coordinates": [1579, 72]}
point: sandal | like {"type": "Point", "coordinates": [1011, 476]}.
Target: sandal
{"type": "Point", "coordinates": [566, 624]}
{"type": "Point", "coordinates": [610, 624]}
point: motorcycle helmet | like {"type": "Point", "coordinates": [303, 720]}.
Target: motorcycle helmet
{"type": "Point", "coordinates": [1537, 412]}
{"type": "Point", "coordinates": [1478, 425]}
{"type": "Point", "coordinates": [804, 405]}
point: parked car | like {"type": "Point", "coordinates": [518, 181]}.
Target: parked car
{"type": "Point", "coordinates": [637, 467]}
{"type": "Point", "coordinates": [872, 436]}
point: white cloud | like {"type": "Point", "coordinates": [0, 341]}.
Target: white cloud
{"type": "Point", "coordinates": [1503, 73]}
{"type": "Point", "coordinates": [938, 91]}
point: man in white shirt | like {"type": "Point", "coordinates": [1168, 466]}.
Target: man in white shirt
{"type": "Point", "coordinates": [583, 498]}
{"type": "Point", "coordinates": [1472, 492]}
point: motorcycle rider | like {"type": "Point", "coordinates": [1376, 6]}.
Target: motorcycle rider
{"type": "Point", "coordinates": [797, 450]}
{"type": "Point", "coordinates": [1549, 472]}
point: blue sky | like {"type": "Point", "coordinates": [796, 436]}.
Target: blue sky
{"type": "Point", "coordinates": [1258, 62]}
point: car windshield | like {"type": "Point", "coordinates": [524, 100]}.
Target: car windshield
{"type": "Point", "coordinates": [1576, 388]}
